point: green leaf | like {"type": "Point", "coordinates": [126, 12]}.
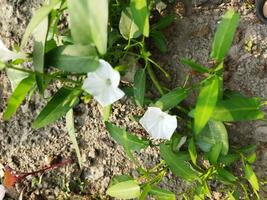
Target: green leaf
{"type": "Point", "coordinates": [39, 51]}
{"type": "Point", "coordinates": [139, 86]}
{"type": "Point", "coordinates": [251, 158]}
{"type": "Point", "coordinates": [213, 133]}
{"type": "Point", "coordinates": [171, 99]}
{"type": "Point", "coordinates": [120, 178]}
{"type": "Point", "coordinates": [252, 178]}
{"type": "Point", "coordinates": [159, 41]}
{"type": "Point", "coordinates": [38, 17]}
{"type": "Point", "coordinates": [125, 190]}
{"type": "Point", "coordinates": [192, 151]}
{"type": "Point", "coordinates": [206, 103]}
{"type": "Point", "coordinates": [162, 194]}
{"type": "Point", "coordinates": [57, 107]}
{"type": "Point", "coordinates": [18, 96]}
{"type": "Point", "coordinates": [178, 164]}
{"type": "Point", "coordinates": [146, 190]}
{"type": "Point", "coordinates": [72, 135]}
{"type": "Point", "coordinates": [73, 58]}
{"type": "Point", "coordinates": [106, 112]}
{"type": "Point", "coordinates": [215, 152]}
{"type": "Point", "coordinates": [195, 66]}
{"type": "Point", "coordinates": [224, 35]}
{"type": "Point", "coordinates": [128, 28]}
{"type": "Point", "coordinates": [226, 175]}
{"type": "Point", "coordinates": [89, 22]}
{"type": "Point", "coordinates": [127, 140]}
{"type": "Point", "coordinates": [164, 22]}
{"type": "Point", "coordinates": [15, 76]}
{"type": "Point", "coordinates": [140, 14]}
{"type": "Point", "coordinates": [228, 159]}
{"type": "Point", "coordinates": [238, 109]}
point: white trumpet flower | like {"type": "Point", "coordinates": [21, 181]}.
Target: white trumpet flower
{"type": "Point", "coordinates": [158, 124]}
{"type": "Point", "coordinates": [2, 192]}
{"type": "Point", "coordinates": [103, 84]}
{"type": "Point", "coordinates": [6, 54]}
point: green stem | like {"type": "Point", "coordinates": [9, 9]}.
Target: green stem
{"type": "Point", "coordinates": [154, 79]}
{"type": "Point", "coordinates": [45, 75]}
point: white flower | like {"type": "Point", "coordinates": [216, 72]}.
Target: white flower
{"type": "Point", "coordinates": [103, 84]}
{"type": "Point", "coordinates": [158, 124]}
{"type": "Point", "coordinates": [2, 192]}
{"type": "Point", "coordinates": [6, 54]}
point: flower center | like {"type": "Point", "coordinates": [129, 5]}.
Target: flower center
{"type": "Point", "coordinates": [108, 82]}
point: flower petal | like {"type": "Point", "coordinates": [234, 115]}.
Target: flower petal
{"type": "Point", "coordinates": [158, 124]}
{"type": "Point", "coordinates": [103, 84]}
{"type": "Point", "coordinates": [109, 96]}
{"type": "Point", "coordinates": [2, 192]}
{"type": "Point", "coordinates": [6, 54]}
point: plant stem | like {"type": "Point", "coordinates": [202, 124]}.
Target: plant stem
{"type": "Point", "coordinates": [154, 79]}
{"type": "Point", "coordinates": [42, 74]}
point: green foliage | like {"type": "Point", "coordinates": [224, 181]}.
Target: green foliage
{"type": "Point", "coordinates": [162, 194]}
{"type": "Point", "coordinates": [73, 58]}
{"type": "Point", "coordinates": [171, 99]}
{"type": "Point", "coordinates": [214, 133]}
{"type": "Point", "coordinates": [127, 140]}
{"type": "Point", "coordinates": [178, 163]}
{"type": "Point", "coordinates": [72, 135]}
{"type": "Point", "coordinates": [139, 86]}
{"type": "Point", "coordinates": [57, 107]}
{"type": "Point", "coordinates": [252, 178]}
{"type": "Point", "coordinates": [18, 96]}
{"type": "Point", "coordinates": [89, 22]}
{"type": "Point", "coordinates": [140, 15]}
{"type": "Point", "coordinates": [125, 190]}
{"type": "Point", "coordinates": [195, 66]}
{"type": "Point", "coordinates": [127, 26]}
{"type": "Point", "coordinates": [224, 35]}
{"type": "Point", "coordinates": [206, 103]}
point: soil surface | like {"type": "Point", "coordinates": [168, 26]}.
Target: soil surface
{"type": "Point", "coordinates": [26, 149]}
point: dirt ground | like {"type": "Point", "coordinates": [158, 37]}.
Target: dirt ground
{"type": "Point", "coordinates": [26, 149]}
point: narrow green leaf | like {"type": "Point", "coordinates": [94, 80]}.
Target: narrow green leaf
{"type": "Point", "coordinates": [215, 152]}
{"type": "Point", "coordinates": [226, 175]}
{"type": "Point", "coordinates": [17, 96]}
{"type": "Point", "coordinates": [195, 66]}
{"type": "Point", "coordinates": [39, 51]}
{"type": "Point", "coordinates": [206, 103]}
{"type": "Point", "coordinates": [89, 22]}
{"type": "Point", "coordinates": [125, 190]}
{"type": "Point", "coordinates": [251, 158]}
{"type": "Point", "coordinates": [72, 135]}
{"type": "Point", "coordinates": [162, 194]}
{"type": "Point", "coordinates": [38, 17]}
{"type": "Point", "coordinates": [140, 86]}
{"type": "Point", "coordinates": [171, 99]}
{"type": "Point", "coordinates": [238, 109]}
{"type": "Point", "coordinates": [127, 140]}
{"type": "Point", "coordinates": [213, 133]}
{"type": "Point", "coordinates": [159, 41]}
{"type": "Point", "coordinates": [228, 159]}
{"type": "Point", "coordinates": [120, 178]}
{"type": "Point", "coordinates": [224, 35]}
{"type": "Point", "coordinates": [145, 192]}
{"type": "Point", "coordinates": [192, 151]}
{"type": "Point", "coordinates": [164, 22]}
{"type": "Point", "coordinates": [140, 14]}
{"type": "Point", "coordinates": [73, 58]}
{"type": "Point", "coordinates": [57, 107]}
{"type": "Point", "coordinates": [178, 164]}
{"type": "Point", "coordinates": [128, 28]}
{"type": "Point", "coordinates": [251, 177]}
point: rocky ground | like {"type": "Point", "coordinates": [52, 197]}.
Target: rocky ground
{"type": "Point", "coordinates": [26, 149]}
